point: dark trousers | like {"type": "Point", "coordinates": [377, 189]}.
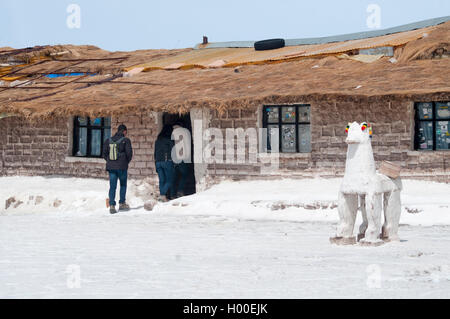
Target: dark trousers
{"type": "Point", "coordinates": [166, 174]}
{"type": "Point", "coordinates": [183, 170]}
{"type": "Point", "coordinates": [122, 176]}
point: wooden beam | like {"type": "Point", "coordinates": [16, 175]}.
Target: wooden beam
{"type": "Point", "coordinates": [5, 115]}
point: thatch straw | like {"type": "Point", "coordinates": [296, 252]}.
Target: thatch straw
{"type": "Point", "coordinates": [417, 76]}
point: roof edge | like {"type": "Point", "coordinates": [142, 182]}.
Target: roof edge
{"type": "Point", "coordinates": [338, 38]}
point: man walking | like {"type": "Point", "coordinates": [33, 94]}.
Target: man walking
{"type": "Point", "coordinates": [117, 152]}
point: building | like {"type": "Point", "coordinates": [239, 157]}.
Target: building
{"type": "Point", "coordinates": [58, 104]}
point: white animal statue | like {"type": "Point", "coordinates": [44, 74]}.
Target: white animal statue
{"type": "Point", "coordinates": [362, 181]}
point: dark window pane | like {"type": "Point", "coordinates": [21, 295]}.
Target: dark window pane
{"type": "Point", "coordinates": [304, 113]}
{"type": "Point", "coordinates": [92, 127]}
{"type": "Point", "coordinates": [96, 122]}
{"type": "Point", "coordinates": [288, 139]}
{"type": "Point", "coordinates": [273, 133]}
{"type": "Point", "coordinates": [82, 142]}
{"type": "Point", "coordinates": [442, 135]}
{"type": "Point", "coordinates": [291, 142]}
{"type": "Point", "coordinates": [425, 111]}
{"type": "Point", "coordinates": [96, 136]}
{"type": "Point", "coordinates": [443, 110]}
{"type": "Point", "coordinates": [272, 114]}
{"type": "Point", "coordinates": [82, 121]}
{"type": "Point", "coordinates": [304, 138]}
{"type": "Point", "coordinates": [425, 135]}
{"type": "Point", "coordinates": [106, 134]}
{"type": "Point", "coordinates": [107, 121]}
{"type": "Point", "coordinates": [288, 114]}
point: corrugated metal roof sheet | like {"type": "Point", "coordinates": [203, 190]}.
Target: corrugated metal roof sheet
{"type": "Point", "coordinates": [338, 38]}
{"type": "Point", "coordinates": [229, 57]}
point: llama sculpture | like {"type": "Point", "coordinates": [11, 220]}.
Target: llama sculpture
{"type": "Point", "coordinates": [361, 181]}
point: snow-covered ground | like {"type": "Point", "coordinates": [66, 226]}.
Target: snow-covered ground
{"type": "Point", "coordinates": [264, 239]}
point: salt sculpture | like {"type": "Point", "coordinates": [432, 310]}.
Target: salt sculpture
{"type": "Point", "coordinates": [374, 190]}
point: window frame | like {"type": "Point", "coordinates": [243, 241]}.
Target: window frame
{"type": "Point", "coordinates": [76, 137]}
{"type": "Point", "coordinates": [280, 123]}
{"type": "Point", "coordinates": [433, 120]}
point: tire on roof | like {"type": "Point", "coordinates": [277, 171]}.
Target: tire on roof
{"type": "Point", "coordinates": [269, 44]}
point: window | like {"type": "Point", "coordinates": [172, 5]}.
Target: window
{"type": "Point", "coordinates": [293, 125]}
{"type": "Point", "coordinates": [89, 135]}
{"type": "Point", "coordinates": [432, 126]}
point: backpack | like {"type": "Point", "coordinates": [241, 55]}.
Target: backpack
{"type": "Point", "coordinates": [114, 149]}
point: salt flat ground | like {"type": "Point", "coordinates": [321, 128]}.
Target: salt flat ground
{"type": "Point", "coordinates": [222, 243]}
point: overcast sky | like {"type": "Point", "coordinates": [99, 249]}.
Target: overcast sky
{"type": "Point", "coordinates": [138, 24]}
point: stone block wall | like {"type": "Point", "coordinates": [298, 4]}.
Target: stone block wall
{"type": "Point", "coordinates": [3, 141]}
{"type": "Point", "coordinates": [142, 131]}
{"type": "Point", "coordinates": [41, 149]}
{"type": "Point", "coordinates": [237, 118]}
{"type": "Point", "coordinates": [393, 140]}
{"type": "Point", "coordinates": [44, 148]}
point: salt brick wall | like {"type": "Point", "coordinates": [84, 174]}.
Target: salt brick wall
{"type": "Point", "coordinates": [236, 118]}
{"type": "Point", "coordinates": [142, 131]}
{"type": "Point", "coordinates": [393, 133]}
{"type": "Point", "coordinates": [41, 149]}
{"type": "Point", "coordinates": [3, 139]}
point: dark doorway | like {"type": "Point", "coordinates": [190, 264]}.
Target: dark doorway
{"type": "Point", "coordinates": [185, 119]}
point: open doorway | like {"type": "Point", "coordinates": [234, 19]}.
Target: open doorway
{"type": "Point", "coordinates": [185, 119]}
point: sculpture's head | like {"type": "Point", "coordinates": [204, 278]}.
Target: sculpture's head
{"type": "Point", "coordinates": [358, 133]}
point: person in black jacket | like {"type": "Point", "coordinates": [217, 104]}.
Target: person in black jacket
{"type": "Point", "coordinates": [164, 164]}
{"type": "Point", "coordinates": [117, 167]}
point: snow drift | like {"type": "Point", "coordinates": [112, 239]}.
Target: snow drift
{"type": "Point", "coordinates": [424, 203]}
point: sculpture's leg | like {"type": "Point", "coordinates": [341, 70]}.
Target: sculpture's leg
{"type": "Point", "coordinates": [363, 226]}
{"type": "Point", "coordinates": [392, 211]}
{"type": "Point", "coordinates": [347, 208]}
{"type": "Point", "coordinates": [386, 197]}
{"type": "Point", "coordinates": [373, 209]}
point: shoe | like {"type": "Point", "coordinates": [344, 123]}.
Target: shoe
{"type": "Point", "coordinates": [112, 210]}
{"type": "Point", "coordinates": [180, 194]}
{"type": "Point", "coordinates": [124, 207]}
{"type": "Point", "coordinates": [163, 199]}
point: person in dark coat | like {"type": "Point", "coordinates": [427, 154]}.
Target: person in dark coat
{"type": "Point", "coordinates": [164, 164]}
{"type": "Point", "coordinates": [182, 155]}
{"type": "Point", "coordinates": [117, 166]}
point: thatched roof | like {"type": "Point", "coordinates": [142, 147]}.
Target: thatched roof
{"type": "Point", "coordinates": [420, 72]}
